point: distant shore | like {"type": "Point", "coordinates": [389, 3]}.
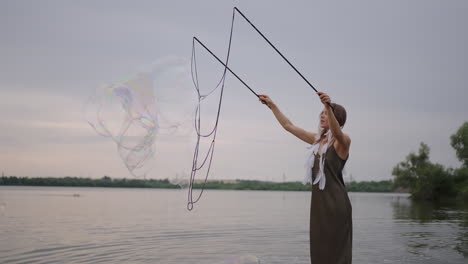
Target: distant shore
{"type": "Point", "coordinates": [363, 186]}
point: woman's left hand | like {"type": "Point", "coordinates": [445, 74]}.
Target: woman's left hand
{"type": "Point", "coordinates": [324, 98]}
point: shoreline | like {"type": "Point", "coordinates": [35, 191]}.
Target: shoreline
{"type": "Point", "coordinates": [254, 185]}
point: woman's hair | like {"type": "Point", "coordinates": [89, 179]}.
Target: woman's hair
{"type": "Point", "coordinates": [340, 114]}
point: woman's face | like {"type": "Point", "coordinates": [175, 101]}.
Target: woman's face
{"type": "Point", "coordinates": [324, 119]}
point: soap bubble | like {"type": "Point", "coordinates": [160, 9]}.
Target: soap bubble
{"type": "Point", "coordinates": [131, 112]}
{"type": "Point", "coordinates": [182, 180]}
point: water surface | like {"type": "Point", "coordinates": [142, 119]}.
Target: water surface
{"type": "Point", "coordinates": [99, 225]}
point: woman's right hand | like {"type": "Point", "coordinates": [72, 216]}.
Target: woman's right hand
{"type": "Point", "coordinates": [265, 99]}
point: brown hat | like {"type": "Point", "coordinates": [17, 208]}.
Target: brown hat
{"type": "Point", "coordinates": [340, 113]}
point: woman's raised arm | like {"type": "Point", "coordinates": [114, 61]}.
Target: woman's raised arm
{"type": "Point", "coordinates": [302, 134]}
{"type": "Point", "coordinates": [344, 141]}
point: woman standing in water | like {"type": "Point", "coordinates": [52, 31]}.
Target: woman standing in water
{"type": "Point", "coordinates": [331, 228]}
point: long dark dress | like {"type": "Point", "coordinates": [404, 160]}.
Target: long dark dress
{"type": "Point", "coordinates": [331, 227]}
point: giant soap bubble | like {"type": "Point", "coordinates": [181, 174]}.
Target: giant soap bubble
{"type": "Point", "coordinates": [157, 100]}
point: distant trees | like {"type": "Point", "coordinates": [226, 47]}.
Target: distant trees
{"type": "Point", "coordinates": [106, 181]}
{"type": "Point", "coordinates": [431, 181]}
{"type": "Point", "coordinates": [371, 186]}
{"type": "Point", "coordinates": [459, 142]}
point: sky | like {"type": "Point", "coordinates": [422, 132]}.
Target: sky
{"type": "Point", "coordinates": [398, 67]}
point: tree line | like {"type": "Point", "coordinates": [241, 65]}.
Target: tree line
{"type": "Point", "coordinates": [106, 181]}
{"type": "Point", "coordinates": [432, 181]}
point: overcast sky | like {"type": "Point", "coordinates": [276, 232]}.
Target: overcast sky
{"type": "Point", "coordinates": [399, 68]}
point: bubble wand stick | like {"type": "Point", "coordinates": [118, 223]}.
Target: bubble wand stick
{"type": "Point", "coordinates": [209, 155]}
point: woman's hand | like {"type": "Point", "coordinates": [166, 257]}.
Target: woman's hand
{"type": "Point", "coordinates": [266, 100]}
{"type": "Point", "coordinates": [324, 98]}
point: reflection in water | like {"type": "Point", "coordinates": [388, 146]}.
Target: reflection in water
{"type": "Point", "coordinates": [432, 225]}
{"type": "Point", "coordinates": [2, 208]}
{"type": "Point", "coordinates": [242, 260]}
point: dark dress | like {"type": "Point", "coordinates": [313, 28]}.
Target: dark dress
{"type": "Point", "coordinates": [331, 227]}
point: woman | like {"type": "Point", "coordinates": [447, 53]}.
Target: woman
{"type": "Point", "coordinates": [330, 211]}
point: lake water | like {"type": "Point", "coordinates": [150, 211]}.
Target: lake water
{"type": "Point", "coordinates": [99, 225]}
